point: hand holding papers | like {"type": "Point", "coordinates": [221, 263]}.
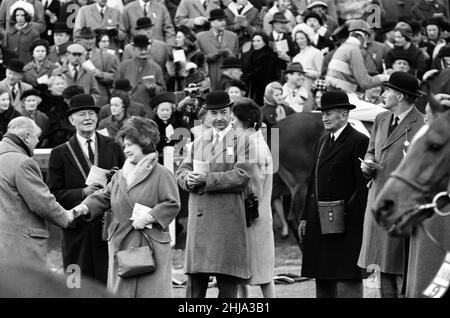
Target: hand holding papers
{"type": "Point", "coordinates": [43, 79]}
{"type": "Point", "coordinates": [373, 165]}
{"type": "Point", "coordinates": [200, 166]}
{"type": "Point", "coordinates": [89, 65]}
{"type": "Point", "coordinates": [179, 56]}
{"type": "Point", "coordinates": [141, 216]}
{"type": "Point", "coordinates": [97, 176]}
{"type": "Point", "coordinates": [281, 46]}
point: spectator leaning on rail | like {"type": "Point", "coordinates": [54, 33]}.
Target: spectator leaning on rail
{"type": "Point", "coordinates": [346, 70]}
{"type": "Point", "coordinates": [26, 202]}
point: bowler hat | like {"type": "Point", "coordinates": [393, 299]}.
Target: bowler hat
{"type": "Point", "coordinates": [335, 99]}
{"type": "Point", "coordinates": [217, 100]}
{"type": "Point", "coordinates": [143, 23]}
{"type": "Point", "coordinates": [15, 65]}
{"type": "Point", "coordinates": [123, 84]}
{"type": "Point", "coordinates": [217, 14]}
{"type": "Point", "coordinates": [438, 21]}
{"type": "Point", "coordinates": [81, 102]}
{"type": "Point", "coordinates": [403, 56]}
{"type": "Point", "coordinates": [404, 83]}
{"type": "Point", "coordinates": [141, 40]}
{"type": "Point", "coordinates": [314, 15]}
{"type": "Point", "coordinates": [388, 26]}
{"type": "Point", "coordinates": [294, 67]}
{"type": "Point", "coordinates": [232, 62]}
{"type": "Point", "coordinates": [279, 17]}
{"type": "Point", "coordinates": [61, 27]}
{"type": "Point", "coordinates": [30, 92]}
{"type": "Point", "coordinates": [86, 33]}
{"type": "Point", "coordinates": [168, 97]}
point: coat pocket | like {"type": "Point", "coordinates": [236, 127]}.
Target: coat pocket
{"type": "Point", "coordinates": [158, 235]}
{"type": "Point", "coordinates": [38, 233]}
{"type": "Point", "coordinates": [112, 229]}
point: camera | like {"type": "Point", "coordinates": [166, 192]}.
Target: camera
{"type": "Point", "coordinates": [192, 90]}
{"type": "Point", "coordinates": [251, 208]}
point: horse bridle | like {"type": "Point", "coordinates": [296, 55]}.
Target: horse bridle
{"type": "Point", "coordinates": [433, 205]}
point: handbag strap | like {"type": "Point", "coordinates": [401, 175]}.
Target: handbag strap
{"type": "Point", "coordinates": [148, 238]}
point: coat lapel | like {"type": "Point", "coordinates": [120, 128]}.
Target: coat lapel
{"type": "Point", "coordinates": [80, 155]}
{"type": "Point", "coordinates": [337, 146]}
{"type": "Point", "coordinates": [401, 129]}
{"type": "Point", "coordinates": [214, 39]}
{"type": "Point", "coordinates": [200, 8]}
{"type": "Point", "coordinates": [147, 171]}
{"type": "Point", "coordinates": [104, 153]}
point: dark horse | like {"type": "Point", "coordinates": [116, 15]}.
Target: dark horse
{"type": "Point", "coordinates": [417, 188]}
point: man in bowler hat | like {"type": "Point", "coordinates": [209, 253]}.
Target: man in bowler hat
{"type": "Point", "coordinates": [13, 83]}
{"type": "Point", "coordinates": [332, 258]}
{"type": "Point", "coordinates": [216, 176]}
{"type": "Point", "coordinates": [391, 135]}
{"type": "Point", "coordinates": [69, 166]}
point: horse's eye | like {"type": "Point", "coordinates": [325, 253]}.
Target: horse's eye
{"type": "Point", "coordinates": [434, 146]}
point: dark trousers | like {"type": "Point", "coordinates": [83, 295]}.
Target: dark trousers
{"type": "Point", "coordinates": [390, 285]}
{"type": "Point", "coordinates": [347, 288]}
{"type": "Point", "coordinates": [197, 285]}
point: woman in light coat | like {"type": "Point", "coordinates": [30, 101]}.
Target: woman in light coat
{"type": "Point", "coordinates": [141, 180]}
{"type": "Point", "coordinates": [247, 116]}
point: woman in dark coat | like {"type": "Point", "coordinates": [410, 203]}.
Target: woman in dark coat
{"type": "Point", "coordinates": [54, 106]}
{"type": "Point", "coordinates": [7, 112]}
{"type": "Point", "coordinates": [40, 66]}
{"type": "Point", "coordinates": [119, 102]}
{"type": "Point", "coordinates": [261, 67]}
{"type": "Point", "coordinates": [167, 120]}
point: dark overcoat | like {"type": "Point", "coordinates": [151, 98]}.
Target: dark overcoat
{"type": "Point", "coordinates": [334, 256]}
{"type": "Point", "coordinates": [82, 242]}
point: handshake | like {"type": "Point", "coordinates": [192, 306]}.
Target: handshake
{"type": "Point", "coordinates": [80, 209]}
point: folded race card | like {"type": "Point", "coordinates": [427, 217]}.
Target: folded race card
{"type": "Point", "coordinates": [140, 210]}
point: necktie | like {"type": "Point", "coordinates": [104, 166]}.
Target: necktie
{"type": "Point", "coordinates": [330, 141]}
{"type": "Point", "coordinates": [13, 93]}
{"type": "Point", "coordinates": [145, 9]}
{"type": "Point", "coordinates": [101, 13]}
{"type": "Point", "coordinates": [279, 37]}
{"type": "Point", "coordinates": [394, 125]}
{"type": "Point", "coordinates": [75, 74]}
{"type": "Point", "coordinates": [90, 152]}
{"type": "Point", "coordinates": [216, 141]}
{"type": "Point", "coordinates": [205, 4]}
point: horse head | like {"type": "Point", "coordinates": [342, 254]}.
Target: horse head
{"type": "Point", "coordinates": [423, 172]}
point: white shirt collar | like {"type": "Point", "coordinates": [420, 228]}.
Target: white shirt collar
{"type": "Point", "coordinates": [337, 133]}
{"type": "Point", "coordinates": [100, 8]}
{"type": "Point", "coordinates": [222, 133]}
{"type": "Point", "coordinates": [142, 3]}
{"type": "Point", "coordinates": [83, 143]}
{"type": "Point", "coordinates": [403, 115]}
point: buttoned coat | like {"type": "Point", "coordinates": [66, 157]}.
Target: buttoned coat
{"type": "Point", "coordinates": [107, 64]}
{"type": "Point", "coordinates": [155, 188]}
{"type": "Point", "coordinates": [378, 246]}
{"type": "Point", "coordinates": [89, 16]}
{"type": "Point", "coordinates": [162, 28]}
{"type": "Point", "coordinates": [25, 207]}
{"type": "Point", "coordinates": [208, 44]}
{"type": "Point", "coordinates": [32, 74]}
{"type": "Point", "coordinates": [188, 10]}
{"type": "Point", "coordinates": [82, 242]}
{"type": "Point", "coordinates": [16, 102]}
{"type": "Point", "coordinates": [217, 233]}
{"type": "Point", "coordinates": [159, 53]}
{"type": "Point", "coordinates": [20, 41]}
{"type": "Point", "coordinates": [339, 177]}
{"type": "Point", "coordinates": [134, 70]}
{"type": "Point", "coordinates": [86, 79]}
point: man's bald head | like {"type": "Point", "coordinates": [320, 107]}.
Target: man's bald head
{"type": "Point", "coordinates": [26, 129]}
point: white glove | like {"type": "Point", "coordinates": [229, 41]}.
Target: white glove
{"type": "Point", "coordinates": [141, 222]}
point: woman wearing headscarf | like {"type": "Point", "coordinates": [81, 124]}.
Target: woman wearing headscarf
{"type": "Point", "coordinates": [274, 110]}
{"type": "Point", "coordinates": [261, 67]}
{"type": "Point", "coordinates": [129, 187]}
{"type": "Point", "coordinates": [119, 103]}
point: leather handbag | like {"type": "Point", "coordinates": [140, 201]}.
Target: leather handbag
{"type": "Point", "coordinates": [136, 260]}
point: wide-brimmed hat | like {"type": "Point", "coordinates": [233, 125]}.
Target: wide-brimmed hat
{"type": "Point", "coordinates": [232, 62]}
{"type": "Point", "coordinates": [279, 17]}
{"type": "Point", "coordinates": [122, 84]}
{"type": "Point", "coordinates": [404, 83]}
{"type": "Point", "coordinates": [86, 33]}
{"type": "Point", "coordinates": [402, 56]}
{"type": "Point", "coordinates": [335, 99]}
{"type": "Point", "coordinates": [217, 14]}
{"type": "Point", "coordinates": [82, 102]}
{"type": "Point", "coordinates": [168, 97]}
{"type": "Point", "coordinates": [306, 29]}
{"type": "Point", "coordinates": [217, 100]}
{"type": "Point", "coordinates": [141, 40]}
{"type": "Point", "coordinates": [312, 14]}
{"type": "Point", "coordinates": [61, 27]}
{"type": "Point", "coordinates": [143, 23]}
{"type": "Point", "coordinates": [359, 25]}
{"type": "Point", "coordinates": [438, 21]}
{"type": "Point", "coordinates": [24, 5]}
{"type": "Point", "coordinates": [294, 67]}
{"type": "Point", "coordinates": [30, 92]}
{"type": "Point", "coordinates": [15, 65]}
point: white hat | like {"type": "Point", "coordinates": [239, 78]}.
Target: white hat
{"type": "Point", "coordinates": [26, 6]}
{"type": "Point", "coordinates": [317, 3]}
{"type": "Point", "coordinates": [305, 29]}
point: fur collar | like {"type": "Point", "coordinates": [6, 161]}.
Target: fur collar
{"type": "Point", "coordinates": [131, 171]}
{"type": "Point", "coordinates": [233, 7]}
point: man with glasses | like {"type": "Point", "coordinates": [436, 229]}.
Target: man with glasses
{"type": "Point", "coordinates": [76, 74]}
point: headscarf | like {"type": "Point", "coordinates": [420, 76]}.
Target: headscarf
{"type": "Point", "coordinates": [268, 100]}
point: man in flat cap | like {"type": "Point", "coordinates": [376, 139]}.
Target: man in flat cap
{"type": "Point", "coordinates": [69, 167]}
{"type": "Point", "coordinates": [216, 175]}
